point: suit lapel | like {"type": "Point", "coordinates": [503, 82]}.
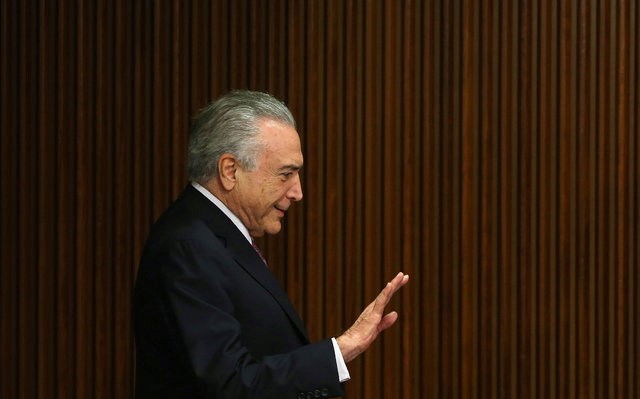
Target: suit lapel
{"type": "Point", "coordinates": [251, 262]}
{"type": "Point", "coordinates": [242, 251]}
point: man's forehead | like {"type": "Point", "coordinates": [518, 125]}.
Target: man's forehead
{"type": "Point", "coordinates": [281, 147]}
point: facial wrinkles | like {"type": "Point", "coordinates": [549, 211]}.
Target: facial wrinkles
{"type": "Point", "coordinates": [264, 192]}
{"type": "Point", "coordinates": [259, 195]}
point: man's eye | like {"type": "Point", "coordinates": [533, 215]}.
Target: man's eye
{"type": "Point", "coordinates": [287, 175]}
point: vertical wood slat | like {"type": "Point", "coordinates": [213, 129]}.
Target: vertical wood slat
{"type": "Point", "coordinates": [564, 256]}
{"type": "Point", "coordinates": [294, 253]}
{"type": "Point", "coordinates": [430, 271]}
{"type": "Point", "coordinates": [634, 235]}
{"type": "Point", "coordinates": [123, 194]}
{"type": "Point", "coordinates": [64, 205]}
{"type": "Point", "coordinates": [508, 164]}
{"type": "Point", "coordinates": [490, 150]}
{"type": "Point", "coordinates": [85, 211]}
{"type": "Point", "coordinates": [410, 209]}
{"type": "Point", "coordinates": [391, 192]}
{"type": "Point", "coordinates": [622, 177]}
{"type": "Point", "coordinates": [162, 92]}
{"type": "Point", "coordinates": [313, 241]}
{"type": "Point", "coordinates": [9, 311]}
{"type": "Point", "coordinates": [547, 117]}
{"type": "Point", "coordinates": [353, 172]}
{"type": "Point", "coordinates": [447, 182]}
{"type": "Point", "coordinates": [334, 200]}
{"type": "Point", "coordinates": [104, 223]}
{"type": "Point", "coordinates": [371, 163]}
{"type": "Point", "coordinates": [27, 203]}
{"type": "Point", "coordinates": [601, 230]}
{"type": "Point", "coordinates": [48, 171]}
{"type": "Point", "coordinates": [488, 328]}
{"type": "Point", "coordinates": [180, 73]}
{"type": "Point", "coordinates": [469, 181]}
{"type": "Point", "coordinates": [585, 215]}
{"type": "Point", "coordinates": [526, 191]}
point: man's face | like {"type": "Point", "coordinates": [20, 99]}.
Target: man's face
{"type": "Point", "coordinates": [264, 194]}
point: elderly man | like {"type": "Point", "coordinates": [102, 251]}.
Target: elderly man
{"type": "Point", "coordinates": [210, 319]}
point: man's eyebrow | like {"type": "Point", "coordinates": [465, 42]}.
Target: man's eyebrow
{"type": "Point", "coordinates": [290, 167]}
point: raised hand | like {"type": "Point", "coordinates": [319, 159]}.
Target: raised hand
{"type": "Point", "coordinates": [371, 321]}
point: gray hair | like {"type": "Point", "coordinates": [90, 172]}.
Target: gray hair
{"type": "Point", "coordinates": [230, 126]}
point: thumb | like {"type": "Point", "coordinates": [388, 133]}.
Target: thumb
{"type": "Point", "coordinates": [387, 321]}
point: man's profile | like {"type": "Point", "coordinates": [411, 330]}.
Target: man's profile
{"type": "Point", "coordinates": [210, 319]}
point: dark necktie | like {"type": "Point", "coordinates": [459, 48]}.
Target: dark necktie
{"type": "Point", "coordinates": [255, 246]}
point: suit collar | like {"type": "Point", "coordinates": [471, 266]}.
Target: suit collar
{"type": "Point", "coordinates": [220, 205]}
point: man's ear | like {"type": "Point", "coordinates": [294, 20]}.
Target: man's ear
{"type": "Point", "coordinates": [227, 167]}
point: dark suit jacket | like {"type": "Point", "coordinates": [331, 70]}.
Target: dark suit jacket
{"type": "Point", "coordinates": [212, 322]}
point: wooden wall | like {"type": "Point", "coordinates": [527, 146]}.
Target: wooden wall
{"type": "Point", "coordinates": [488, 148]}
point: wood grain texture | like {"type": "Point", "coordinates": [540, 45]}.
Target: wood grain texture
{"type": "Point", "coordinates": [489, 149]}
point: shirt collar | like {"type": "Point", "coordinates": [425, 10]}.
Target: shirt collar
{"type": "Point", "coordinates": [224, 209]}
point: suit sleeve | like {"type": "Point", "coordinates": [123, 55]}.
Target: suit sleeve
{"type": "Point", "coordinates": [200, 302]}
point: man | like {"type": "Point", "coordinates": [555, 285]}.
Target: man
{"type": "Point", "coordinates": [210, 319]}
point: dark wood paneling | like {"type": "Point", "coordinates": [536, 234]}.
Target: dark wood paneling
{"type": "Point", "coordinates": [489, 149]}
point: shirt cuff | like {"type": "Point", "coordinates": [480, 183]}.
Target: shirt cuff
{"type": "Point", "coordinates": [343, 373]}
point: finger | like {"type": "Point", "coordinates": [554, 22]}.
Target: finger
{"type": "Point", "coordinates": [387, 292]}
{"type": "Point", "coordinates": [383, 298]}
{"type": "Point", "coordinates": [403, 280]}
{"type": "Point", "coordinates": [396, 283]}
{"type": "Point", "coordinates": [399, 280]}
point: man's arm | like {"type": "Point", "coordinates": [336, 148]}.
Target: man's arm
{"type": "Point", "coordinates": [201, 304]}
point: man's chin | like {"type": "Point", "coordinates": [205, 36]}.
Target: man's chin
{"type": "Point", "coordinates": [273, 228]}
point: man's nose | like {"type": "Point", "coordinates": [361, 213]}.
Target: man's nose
{"type": "Point", "coordinates": [295, 192]}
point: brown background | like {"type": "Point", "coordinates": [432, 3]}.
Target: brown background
{"type": "Point", "coordinates": [488, 148]}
